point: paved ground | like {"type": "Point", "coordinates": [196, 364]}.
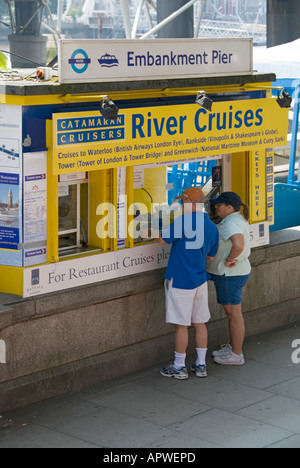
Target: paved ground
{"type": "Point", "coordinates": [257, 405]}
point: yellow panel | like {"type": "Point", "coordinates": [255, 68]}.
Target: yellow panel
{"type": "Point", "coordinates": [239, 175]}
{"type": "Point", "coordinates": [190, 131]}
{"type": "Point", "coordinates": [30, 100]}
{"type": "Point", "coordinates": [96, 196]}
{"type": "Point", "coordinates": [101, 192]}
{"type": "Point", "coordinates": [114, 193]}
{"type": "Point", "coordinates": [129, 243]}
{"type": "Point", "coordinates": [11, 280]}
{"type": "Point", "coordinates": [270, 186]}
{"type": "Point", "coordinates": [39, 100]}
{"type": "Point", "coordinates": [83, 204]}
{"type": "Point", "coordinates": [257, 186]}
{"type": "Point", "coordinates": [52, 200]}
{"type": "Point", "coordinates": [155, 180]}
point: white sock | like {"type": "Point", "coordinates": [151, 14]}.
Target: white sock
{"type": "Point", "coordinates": [237, 355]}
{"type": "Point", "coordinates": [201, 354]}
{"type": "Point", "coordinates": [179, 360]}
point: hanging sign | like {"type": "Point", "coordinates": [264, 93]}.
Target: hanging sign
{"type": "Point", "coordinates": [93, 60]}
{"type": "Point", "coordinates": [270, 185]}
{"type": "Point", "coordinates": [85, 141]}
{"type": "Point", "coordinates": [257, 189]}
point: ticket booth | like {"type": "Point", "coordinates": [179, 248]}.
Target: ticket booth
{"type": "Point", "coordinates": [88, 161]}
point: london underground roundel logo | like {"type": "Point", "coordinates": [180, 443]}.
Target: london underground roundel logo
{"type": "Point", "coordinates": [79, 61]}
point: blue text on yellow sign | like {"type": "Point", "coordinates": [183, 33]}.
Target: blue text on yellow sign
{"type": "Point", "coordinates": [86, 141]}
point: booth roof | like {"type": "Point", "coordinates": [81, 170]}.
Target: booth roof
{"type": "Point", "coordinates": [32, 87]}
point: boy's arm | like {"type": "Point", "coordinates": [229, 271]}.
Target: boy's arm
{"type": "Point", "coordinates": [215, 247]}
{"type": "Point", "coordinates": [172, 233]}
{"type": "Point", "coordinates": [160, 240]}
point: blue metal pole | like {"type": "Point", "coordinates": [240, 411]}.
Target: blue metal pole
{"type": "Point", "coordinates": [295, 126]}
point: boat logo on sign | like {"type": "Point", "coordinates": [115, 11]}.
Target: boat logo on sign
{"type": "Point", "coordinates": [108, 61]}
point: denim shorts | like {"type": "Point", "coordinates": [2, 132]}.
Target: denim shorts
{"type": "Point", "coordinates": [229, 288]}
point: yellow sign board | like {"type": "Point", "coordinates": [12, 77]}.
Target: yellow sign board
{"type": "Point", "coordinates": [257, 181]}
{"type": "Point", "coordinates": [270, 186]}
{"type": "Point", "coordinates": [85, 141]}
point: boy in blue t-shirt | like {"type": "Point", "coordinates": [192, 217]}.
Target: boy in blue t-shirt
{"type": "Point", "coordinates": [194, 238]}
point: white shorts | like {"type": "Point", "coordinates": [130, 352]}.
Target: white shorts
{"type": "Point", "coordinates": [187, 306]}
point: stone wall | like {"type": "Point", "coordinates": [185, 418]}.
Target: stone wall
{"type": "Point", "coordinates": [66, 341]}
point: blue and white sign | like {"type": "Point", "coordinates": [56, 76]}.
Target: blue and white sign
{"type": "Point", "coordinates": [79, 61]}
{"type": "Point", "coordinates": [88, 61]}
{"type": "Point", "coordinates": [11, 185]}
{"type": "Point", "coordinates": [9, 211]}
{"type": "Point", "coordinates": [35, 208]}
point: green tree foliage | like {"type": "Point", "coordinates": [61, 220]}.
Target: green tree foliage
{"type": "Point", "coordinates": [53, 5]}
{"type": "Point", "coordinates": [3, 62]}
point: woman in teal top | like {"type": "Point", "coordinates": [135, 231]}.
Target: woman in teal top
{"type": "Point", "coordinates": [230, 271]}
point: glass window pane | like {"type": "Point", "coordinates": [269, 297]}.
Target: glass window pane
{"type": "Point", "coordinates": [67, 240]}
{"type": "Point", "coordinates": [67, 207]}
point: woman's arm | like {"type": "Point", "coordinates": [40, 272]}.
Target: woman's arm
{"type": "Point", "coordinates": [238, 245]}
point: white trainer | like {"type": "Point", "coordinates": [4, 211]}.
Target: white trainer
{"type": "Point", "coordinates": [228, 359]}
{"type": "Point", "coordinates": [224, 349]}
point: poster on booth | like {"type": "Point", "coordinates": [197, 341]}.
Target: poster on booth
{"type": "Point", "coordinates": [10, 135]}
{"type": "Point", "coordinates": [85, 141]}
{"type": "Point", "coordinates": [9, 211]}
{"type": "Point", "coordinates": [35, 208]}
{"type": "Point", "coordinates": [10, 185]}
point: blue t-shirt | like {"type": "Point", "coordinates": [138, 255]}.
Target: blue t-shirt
{"type": "Point", "coordinates": [193, 236]}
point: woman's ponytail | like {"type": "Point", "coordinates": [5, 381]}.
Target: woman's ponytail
{"type": "Point", "coordinates": [246, 211]}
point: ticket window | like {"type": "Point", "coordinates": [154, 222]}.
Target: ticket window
{"type": "Point", "coordinates": [147, 189]}
{"type": "Point", "coordinates": [212, 175]}
{"type": "Point", "coordinates": [150, 191]}
{"type": "Point", "coordinates": [72, 215]}
{"type": "Point", "coordinates": [160, 186]}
